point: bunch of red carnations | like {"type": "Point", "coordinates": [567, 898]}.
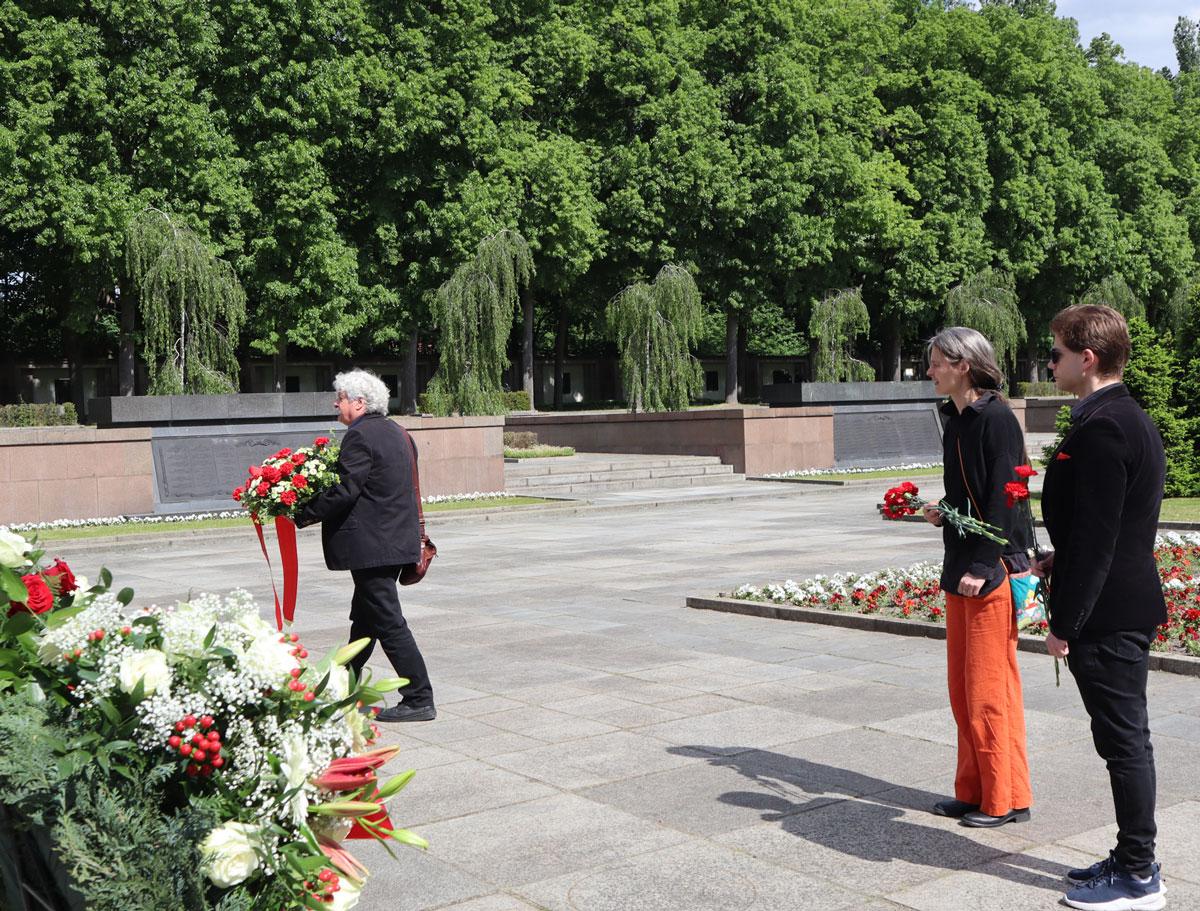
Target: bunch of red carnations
{"type": "Point", "coordinates": [285, 482]}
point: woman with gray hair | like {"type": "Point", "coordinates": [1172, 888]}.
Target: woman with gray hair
{"type": "Point", "coordinates": [982, 445]}
{"type": "Point", "coordinates": [369, 526]}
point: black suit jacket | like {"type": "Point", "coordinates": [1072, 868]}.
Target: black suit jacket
{"type": "Point", "coordinates": [370, 517]}
{"type": "Point", "coordinates": [1101, 499]}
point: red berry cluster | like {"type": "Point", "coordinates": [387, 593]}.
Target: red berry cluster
{"type": "Point", "coordinates": [196, 740]}
{"type": "Point", "coordinates": [299, 688]}
{"type": "Point", "coordinates": [321, 890]}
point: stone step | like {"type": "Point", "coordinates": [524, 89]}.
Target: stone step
{"type": "Point", "coordinates": [596, 463]}
{"type": "Point", "coordinates": [624, 474]}
{"type": "Point", "coordinates": [579, 490]}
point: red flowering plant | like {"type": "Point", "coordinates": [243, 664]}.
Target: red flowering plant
{"type": "Point", "coordinates": [284, 483]}
{"type": "Point", "coordinates": [904, 500]}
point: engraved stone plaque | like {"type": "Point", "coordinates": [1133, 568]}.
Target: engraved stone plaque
{"type": "Point", "coordinates": [197, 468]}
{"type": "Point", "coordinates": [867, 436]}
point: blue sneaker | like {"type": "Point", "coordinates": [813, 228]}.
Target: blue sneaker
{"type": "Point", "coordinates": [1083, 875]}
{"type": "Point", "coordinates": [1116, 890]}
{"type": "Point", "coordinates": [1086, 874]}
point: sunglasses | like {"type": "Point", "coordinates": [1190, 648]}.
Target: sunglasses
{"type": "Point", "coordinates": [1055, 355]}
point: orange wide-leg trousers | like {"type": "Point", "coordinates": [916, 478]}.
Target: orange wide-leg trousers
{"type": "Point", "coordinates": [985, 697]}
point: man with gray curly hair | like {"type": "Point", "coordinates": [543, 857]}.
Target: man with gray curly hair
{"type": "Point", "coordinates": [369, 526]}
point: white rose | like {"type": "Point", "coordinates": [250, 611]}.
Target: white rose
{"type": "Point", "coordinates": [149, 666]}
{"type": "Point", "coordinates": [347, 895]}
{"type": "Point", "coordinates": [229, 853]}
{"type": "Point", "coordinates": [271, 657]}
{"type": "Point", "coordinates": [13, 549]}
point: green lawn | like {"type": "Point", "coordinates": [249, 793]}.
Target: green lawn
{"type": "Point", "coordinates": [1176, 509]}
{"type": "Point", "coordinates": [135, 528]}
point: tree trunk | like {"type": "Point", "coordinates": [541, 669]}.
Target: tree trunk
{"type": "Point", "coordinates": [732, 378]}
{"type": "Point", "coordinates": [748, 380]}
{"type": "Point", "coordinates": [74, 345]}
{"type": "Point", "coordinates": [560, 353]}
{"type": "Point", "coordinates": [527, 344]}
{"type": "Point", "coordinates": [1031, 351]}
{"type": "Point", "coordinates": [279, 368]}
{"type": "Point", "coordinates": [891, 351]}
{"type": "Point", "coordinates": [408, 377]}
{"type": "Point", "coordinates": [126, 356]}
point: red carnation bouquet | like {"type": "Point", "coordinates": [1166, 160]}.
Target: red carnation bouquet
{"type": "Point", "coordinates": [904, 500]}
{"type": "Point", "coordinates": [285, 482]}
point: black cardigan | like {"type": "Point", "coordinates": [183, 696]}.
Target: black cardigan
{"type": "Point", "coordinates": [992, 445]}
{"type": "Point", "coordinates": [1101, 500]}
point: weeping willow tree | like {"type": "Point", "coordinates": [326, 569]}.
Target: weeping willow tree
{"type": "Point", "coordinates": [1115, 292]}
{"type": "Point", "coordinates": [837, 320]}
{"type": "Point", "coordinates": [474, 311]}
{"type": "Point", "coordinates": [192, 306]}
{"type": "Point", "coordinates": [987, 303]}
{"type": "Point", "coordinates": [655, 326]}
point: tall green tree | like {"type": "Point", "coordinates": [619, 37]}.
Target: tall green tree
{"type": "Point", "coordinates": [655, 326]}
{"type": "Point", "coordinates": [474, 310]}
{"type": "Point", "coordinates": [193, 307]}
{"type": "Point", "coordinates": [987, 303]}
{"type": "Point", "coordinates": [837, 322]}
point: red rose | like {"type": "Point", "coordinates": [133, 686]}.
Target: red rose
{"type": "Point", "coordinates": [262, 489]}
{"type": "Point", "coordinates": [299, 481]}
{"type": "Point", "coordinates": [255, 471]}
{"type": "Point", "coordinates": [286, 469]}
{"type": "Point", "coordinates": [1025, 471]}
{"type": "Point", "coordinates": [288, 497]}
{"type": "Point", "coordinates": [237, 493]}
{"type": "Point", "coordinates": [299, 458]}
{"type": "Point", "coordinates": [61, 578]}
{"type": "Point", "coordinates": [321, 441]}
{"type": "Point", "coordinates": [283, 453]}
{"type": "Point", "coordinates": [1061, 457]}
{"type": "Point", "coordinates": [39, 598]}
{"type": "Point", "coordinates": [271, 474]}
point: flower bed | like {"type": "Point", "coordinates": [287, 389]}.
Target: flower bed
{"type": "Point", "coordinates": [913, 593]}
{"type": "Point", "coordinates": [838, 472]}
{"type": "Point", "coordinates": [184, 756]}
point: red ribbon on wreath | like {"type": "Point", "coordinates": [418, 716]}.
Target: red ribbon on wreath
{"type": "Point", "coordinates": [285, 535]}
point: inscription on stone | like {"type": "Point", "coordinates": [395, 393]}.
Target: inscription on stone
{"type": "Point", "coordinates": [886, 436]}
{"type": "Point", "coordinates": [203, 469]}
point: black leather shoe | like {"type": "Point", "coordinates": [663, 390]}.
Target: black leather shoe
{"type": "Point", "coordinates": [983, 821]}
{"type": "Point", "coordinates": [402, 712]}
{"type": "Point", "coordinates": [955, 809]}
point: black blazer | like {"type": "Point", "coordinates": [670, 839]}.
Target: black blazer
{"type": "Point", "coordinates": [1100, 501]}
{"type": "Point", "coordinates": [992, 445]}
{"type": "Point", "coordinates": [370, 517]}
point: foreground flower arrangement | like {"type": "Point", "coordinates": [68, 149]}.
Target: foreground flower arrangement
{"type": "Point", "coordinates": [230, 730]}
{"type": "Point", "coordinates": [913, 593]}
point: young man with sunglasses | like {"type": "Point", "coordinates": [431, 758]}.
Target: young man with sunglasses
{"type": "Point", "coordinates": [1102, 493]}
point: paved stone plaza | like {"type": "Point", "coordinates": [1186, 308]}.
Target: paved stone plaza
{"type": "Point", "coordinates": [600, 746]}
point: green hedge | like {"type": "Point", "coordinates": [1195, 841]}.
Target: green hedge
{"type": "Point", "coordinates": [28, 415]}
{"type": "Point", "coordinates": [431, 404]}
{"type": "Point", "coordinates": [1027, 390]}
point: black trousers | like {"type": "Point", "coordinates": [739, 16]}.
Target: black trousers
{"type": "Point", "coordinates": [1110, 672]}
{"type": "Point", "coordinates": [375, 613]}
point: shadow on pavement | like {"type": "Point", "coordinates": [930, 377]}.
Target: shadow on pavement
{"type": "Point", "coordinates": [863, 816]}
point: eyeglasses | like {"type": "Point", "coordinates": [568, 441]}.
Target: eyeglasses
{"type": "Point", "coordinates": [1055, 355]}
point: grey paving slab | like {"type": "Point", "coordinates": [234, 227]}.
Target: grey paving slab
{"type": "Point", "coordinates": [687, 877]}
{"type": "Point", "coordinates": [600, 746]}
{"type": "Point", "coordinates": [557, 835]}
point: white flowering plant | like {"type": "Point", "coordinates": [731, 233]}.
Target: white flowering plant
{"type": "Point", "coordinates": [284, 483]}
{"type": "Point", "coordinates": [230, 716]}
